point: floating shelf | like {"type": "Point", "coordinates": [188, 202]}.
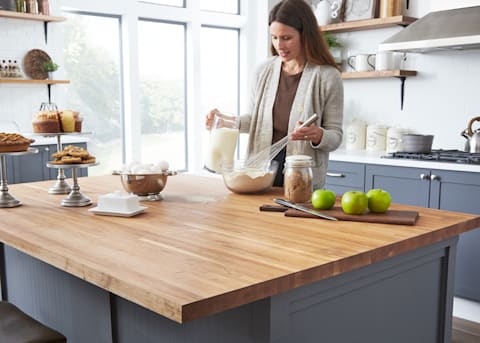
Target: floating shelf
{"type": "Point", "coordinates": [378, 74]}
{"type": "Point", "coordinates": [368, 24]}
{"type": "Point", "coordinates": [28, 81]}
{"type": "Point", "coordinates": [30, 16]}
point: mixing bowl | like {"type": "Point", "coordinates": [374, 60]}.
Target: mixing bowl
{"type": "Point", "coordinates": [244, 179]}
{"type": "Point", "coordinates": [146, 185]}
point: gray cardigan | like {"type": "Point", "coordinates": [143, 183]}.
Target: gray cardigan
{"type": "Point", "coordinates": [320, 91]}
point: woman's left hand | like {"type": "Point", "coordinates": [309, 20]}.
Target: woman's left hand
{"type": "Point", "coordinates": [310, 133]}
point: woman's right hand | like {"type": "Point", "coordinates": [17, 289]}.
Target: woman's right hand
{"type": "Point", "coordinates": [209, 118]}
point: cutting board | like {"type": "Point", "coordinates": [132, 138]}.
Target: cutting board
{"type": "Point", "coordinates": [390, 217]}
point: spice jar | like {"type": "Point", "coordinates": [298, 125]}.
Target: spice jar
{"type": "Point", "coordinates": [298, 177]}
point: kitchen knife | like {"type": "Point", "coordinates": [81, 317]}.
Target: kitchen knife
{"type": "Point", "coordinates": [287, 203]}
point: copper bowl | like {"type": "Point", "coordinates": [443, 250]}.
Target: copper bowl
{"type": "Point", "coordinates": [145, 184]}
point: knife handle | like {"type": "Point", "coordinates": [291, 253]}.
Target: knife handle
{"type": "Point", "coordinates": [273, 208]}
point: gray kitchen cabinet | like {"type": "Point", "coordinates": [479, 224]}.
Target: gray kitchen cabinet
{"type": "Point", "coordinates": [345, 176]}
{"type": "Point", "coordinates": [32, 167]}
{"type": "Point", "coordinates": [440, 189]}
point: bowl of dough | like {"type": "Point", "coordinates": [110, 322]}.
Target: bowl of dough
{"type": "Point", "coordinates": [244, 178]}
{"type": "Point", "coordinates": [145, 180]}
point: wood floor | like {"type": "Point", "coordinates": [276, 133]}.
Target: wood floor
{"type": "Point", "coordinates": [465, 331]}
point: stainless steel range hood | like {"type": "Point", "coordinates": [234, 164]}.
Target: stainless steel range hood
{"type": "Point", "coordinates": [455, 29]}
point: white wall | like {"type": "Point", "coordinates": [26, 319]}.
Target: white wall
{"type": "Point", "coordinates": [440, 100]}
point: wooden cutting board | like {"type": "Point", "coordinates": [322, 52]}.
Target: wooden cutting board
{"type": "Point", "coordinates": [389, 217]}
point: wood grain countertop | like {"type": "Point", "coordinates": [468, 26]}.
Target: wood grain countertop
{"type": "Point", "coordinates": [203, 249]}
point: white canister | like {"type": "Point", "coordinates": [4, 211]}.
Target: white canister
{"type": "Point", "coordinates": [356, 135]}
{"type": "Point", "coordinates": [394, 139]}
{"type": "Point", "coordinates": [376, 137]}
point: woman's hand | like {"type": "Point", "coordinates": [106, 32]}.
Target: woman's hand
{"type": "Point", "coordinates": [209, 118]}
{"type": "Point", "coordinates": [310, 133]}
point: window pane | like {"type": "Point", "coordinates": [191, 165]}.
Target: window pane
{"type": "Point", "coordinates": [178, 3]}
{"type": "Point", "coordinates": [162, 92]}
{"type": "Point", "coordinates": [92, 64]}
{"type": "Point", "coordinates": [226, 6]}
{"type": "Point", "coordinates": [219, 72]}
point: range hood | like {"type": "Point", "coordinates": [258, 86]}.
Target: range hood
{"type": "Point", "coordinates": [454, 29]}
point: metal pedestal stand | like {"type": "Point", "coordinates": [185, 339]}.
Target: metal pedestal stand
{"type": "Point", "coordinates": [74, 198]}
{"type": "Point", "coordinates": [61, 186]}
{"type": "Point", "coordinates": [6, 200]}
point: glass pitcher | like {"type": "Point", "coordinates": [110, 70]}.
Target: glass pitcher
{"type": "Point", "coordinates": [223, 142]}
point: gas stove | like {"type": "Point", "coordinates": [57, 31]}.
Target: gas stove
{"type": "Point", "coordinates": [453, 156]}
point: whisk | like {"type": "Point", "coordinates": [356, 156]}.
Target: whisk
{"type": "Point", "coordinates": [258, 160]}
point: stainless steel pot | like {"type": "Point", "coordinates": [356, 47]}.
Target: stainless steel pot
{"type": "Point", "coordinates": [417, 143]}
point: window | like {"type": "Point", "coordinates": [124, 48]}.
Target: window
{"type": "Point", "coordinates": [178, 3]}
{"type": "Point", "coordinates": [92, 64]}
{"type": "Point", "coordinates": [225, 6]}
{"type": "Point", "coordinates": [161, 59]}
{"type": "Point", "coordinates": [219, 72]}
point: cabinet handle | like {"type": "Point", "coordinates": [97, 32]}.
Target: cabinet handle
{"type": "Point", "coordinates": [435, 177]}
{"type": "Point", "coordinates": [335, 174]}
{"type": "Point", "coordinates": [47, 149]}
{"type": "Point", "coordinates": [424, 177]}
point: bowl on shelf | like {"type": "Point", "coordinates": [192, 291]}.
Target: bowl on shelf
{"type": "Point", "coordinates": [147, 185]}
{"type": "Point", "coordinates": [244, 179]}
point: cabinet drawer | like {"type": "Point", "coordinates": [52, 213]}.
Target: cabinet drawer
{"type": "Point", "coordinates": [345, 176]}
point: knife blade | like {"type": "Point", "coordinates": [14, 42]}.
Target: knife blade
{"type": "Point", "coordinates": [290, 204]}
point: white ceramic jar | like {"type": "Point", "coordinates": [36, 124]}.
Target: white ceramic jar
{"type": "Point", "coordinates": [356, 135]}
{"type": "Point", "coordinates": [376, 137]}
{"type": "Point", "coordinates": [394, 139]}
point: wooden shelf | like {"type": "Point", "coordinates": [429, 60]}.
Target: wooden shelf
{"type": "Point", "coordinates": [368, 24]}
{"type": "Point", "coordinates": [378, 74]}
{"type": "Point", "coordinates": [28, 81]}
{"type": "Point", "coordinates": [29, 16]}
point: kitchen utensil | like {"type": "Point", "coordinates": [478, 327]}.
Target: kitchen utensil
{"type": "Point", "coordinates": [243, 179]}
{"type": "Point", "coordinates": [356, 135]}
{"type": "Point", "coordinates": [33, 64]}
{"type": "Point", "coordinates": [361, 62]}
{"type": "Point", "coordinates": [259, 158]}
{"type": "Point", "coordinates": [145, 185]}
{"type": "Point", "coordinates": [416, 143]}
{"type": "Point", "coordinates": [398, 217]}
{"type": "Point", "coordinates": [301, 208]}
{"type": "Point", "coordinates": [474, 136]}
{"type": "Point", "coordinates": [376, 137]}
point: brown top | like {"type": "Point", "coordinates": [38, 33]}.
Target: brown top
{"type": "Point", "coordinates": [202, 249]}
{"type": "Point", "coordinates": [287, 88]}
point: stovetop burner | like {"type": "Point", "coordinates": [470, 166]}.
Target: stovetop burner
{"type": "Point", "coordinates": [454, 156]}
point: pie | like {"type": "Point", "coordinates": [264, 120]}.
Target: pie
{"type": "Point", "coordinates": [14, 142]}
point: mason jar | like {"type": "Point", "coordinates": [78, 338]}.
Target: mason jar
{"type": "Point", "coordinates": [298, 175]}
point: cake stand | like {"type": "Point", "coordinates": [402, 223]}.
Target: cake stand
{"type": "Point", "coordinates": [7, 200]}
{"type": "Point", "coordinates": [74, 198]}
{"type": "Point", "coordinates": [61, 186]}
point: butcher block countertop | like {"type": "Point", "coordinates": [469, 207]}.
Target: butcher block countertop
{"type": "Point", "coordinates": [203, 249]}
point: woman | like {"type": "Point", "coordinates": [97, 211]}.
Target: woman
{"type": "Point", "coordinates": [299, 80]}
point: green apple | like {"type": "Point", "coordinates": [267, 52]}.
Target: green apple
{"type": "Point", "coordinates": [354, 202]}
{"type": "Point", "coordinates": [378, 200]}
{"type": "Point", "coordinates": [323, 199]}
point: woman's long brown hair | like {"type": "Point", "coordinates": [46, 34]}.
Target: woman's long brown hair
{"type": "Point", "coordinates": [299, 15]}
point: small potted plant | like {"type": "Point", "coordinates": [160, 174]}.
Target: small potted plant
{"type": "Point", "coordinates": [335, 47]}
{"type": "Point", "coordinates": [50, 67]}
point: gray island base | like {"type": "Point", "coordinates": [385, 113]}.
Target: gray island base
{"type": "Point", "coordinates": [406, 298]}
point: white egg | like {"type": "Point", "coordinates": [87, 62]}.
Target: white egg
{"type": "Point", "coordinates": [162, 165]}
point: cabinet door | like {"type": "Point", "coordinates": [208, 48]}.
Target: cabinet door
{"type": "Point", "coordinates": [31, 168]}
{"type": "Point", "coordinates": [345, 176]}
{"type": "Point", "coordinates": [410, 186]}
{"type": "Point", "coordinates": [460, 191]}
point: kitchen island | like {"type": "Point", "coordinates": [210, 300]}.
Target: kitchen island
{"type": "Point", "coordinates": [204, 265]}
